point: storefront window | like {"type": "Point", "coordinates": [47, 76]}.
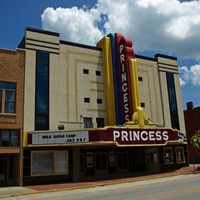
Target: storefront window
{"type": "Point", "coordinates": [61, 163]}
{"type": "Point", "coordinates": [180, 158]}
{"type": "Point", "coordinates": [152, 155]}
{"type": "Point", "coordinates": [49, 163]}
{"type": "Point", "coordinates": [168, 157]}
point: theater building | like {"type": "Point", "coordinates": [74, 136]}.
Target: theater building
{"type": "Point", "coordinates": [93, 111]}
{"type": "Point", "coordinates": [12, 65]}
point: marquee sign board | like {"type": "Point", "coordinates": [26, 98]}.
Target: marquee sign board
{"type": "Point", "coordinates": [132, 136]}
{"type": "Point", "coordinates": [39, 138]}
{"type": "Point", "coordinates": [117, 135]}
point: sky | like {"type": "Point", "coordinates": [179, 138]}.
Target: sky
{"type": "Point", "coordinates": [169, 27]}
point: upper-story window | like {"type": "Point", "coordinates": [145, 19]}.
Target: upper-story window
{"type": "Point", "coordinates": [172, 100]}
{"type": "Point", "coordinates": [87, 100]}
{"type": "Point", "coordinates": [86, 71]}
{"type": "Point", "coordinates": [7, 97]}
{"type": "Point", "coordinates": [140, 78]}
{"type": "Point", "coordinates": [87, 122]}
{"type": "Point", "coordinates": [142, 104]}
{"type": "Point", "coordinates": [9, 138]}
{"type": "Point", "coordinates": [98, 73]}
{"type": "Point", "coordinates": [99, 101]}
{"type": "Point", "coordinates": [42, 91]}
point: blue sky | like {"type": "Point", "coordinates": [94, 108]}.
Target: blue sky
{"type": "Point", "coordinates": [155, 26]}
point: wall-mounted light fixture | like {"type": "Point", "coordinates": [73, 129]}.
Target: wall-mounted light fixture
{"type": "Point", "coordinates": [61, 127]}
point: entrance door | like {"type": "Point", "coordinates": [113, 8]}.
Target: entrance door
{"type": "Point", "coordinates": [122, 162]}
{"type": "Point", "coordinates": [152, 159]}
{"type": "Point", "coordinates": [101, 163]}
{"type": "Point", "coordinates": [2, 172]}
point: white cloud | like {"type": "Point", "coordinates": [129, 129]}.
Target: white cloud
{"type": "Point", "coordinates": [191, 74]}
{"type": "Point", "coordinates": [156, 25]}
{"type": "Point", "coordinates": [184, 73]}
{"type": "Point", "coordinates": [195, 74]}
{"type": "Point", "coordinates": [182, 82]}
{"type": "Point", "coordinates": [73, 24]}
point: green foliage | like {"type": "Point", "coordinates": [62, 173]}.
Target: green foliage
{"type": "Point", "coordinates": [195, 140]}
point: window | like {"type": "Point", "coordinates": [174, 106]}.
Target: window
{"type": "Point", "coordinates": [87, 100]}
{"type": "Point", "coordinates": [86, 71]}
{"type": "Point", "coordinates": [152, 155]}
{"type": "Point", "coordinates": [87, 122]}
{"type": "Point", "coordinates": [7, 97]}
{"type": "Point", "coordinates": [172, 101]}
{"type": "Point", "coordinates": [41, 122]}
{"type": "Point", "coordinates": [180, 158]}
{"type": "Point", "coordinates": [99, 101]}
{"type": "Point", "coordinates": [168, 157]}
{"type": "Point", "coordinates": [9, 138]}
{"type": "Point", "coordinates": [140, 78]}
{"type": "Point", "coordinates": [142, 104]}
{"type": "Point", "coordinates": [49, 163]}
{"type": "Point", "coordinates": [100, 122]}
{"type": "Point", "coordinates": [42, 91]}
{"type": "Point", "coordinates": [98, 73]}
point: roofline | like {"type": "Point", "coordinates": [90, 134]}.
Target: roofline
{"type": "Point", "coordinates": [145, 57]}
{"type": "Point", "coordinates": [165, 56]}
{"type": "Point", "coordinates": [42, 31]}
{"type": "Point", "coordinates": [80, 45]}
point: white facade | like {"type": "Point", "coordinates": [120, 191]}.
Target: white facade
{"type": "Point", "coordinates": [76, 75]}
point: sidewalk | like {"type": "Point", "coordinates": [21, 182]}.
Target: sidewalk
{"type": "Point", "coordinates": [17, 191]}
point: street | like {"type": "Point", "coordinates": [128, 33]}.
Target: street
{"type": "Point", "coordinates": [182, 187]}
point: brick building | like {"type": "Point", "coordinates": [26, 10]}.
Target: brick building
{"type": "Point", "coordinates": [192, 124]}
{"type": "Point", "coordinates": [12, 64]}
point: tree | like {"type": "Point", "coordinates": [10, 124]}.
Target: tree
{"type": "Point", "coordinates": [195, 140]}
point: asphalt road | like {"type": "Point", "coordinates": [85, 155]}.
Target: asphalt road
{"type": "Point", "coordinates": [182, 187]}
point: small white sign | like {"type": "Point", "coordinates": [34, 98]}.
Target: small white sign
{"type": "Point", "coordinates": [60, 137]}
{"type": "Point", "coordinates": [182, 137]}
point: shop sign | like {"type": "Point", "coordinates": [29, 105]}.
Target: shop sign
{"type": "Point", "coordinates": [128, 136]}
{"type": "Point", "coordinates": [60, 137]}
{"type": "Point", "coordinates": [140, 135]}
{"type": "Point", "coordinates": [125, 52]}
{"type": "Point", "coordinates": [182, 137]}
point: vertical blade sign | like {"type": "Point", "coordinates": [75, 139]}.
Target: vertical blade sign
{"type": "Point", "coordinates": [125, 52]}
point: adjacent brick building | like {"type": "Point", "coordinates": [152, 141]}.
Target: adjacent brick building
{"type": "Point", "coordinates": [192, 124]}
{"type": "Point", "coordinates": [12, 65]}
